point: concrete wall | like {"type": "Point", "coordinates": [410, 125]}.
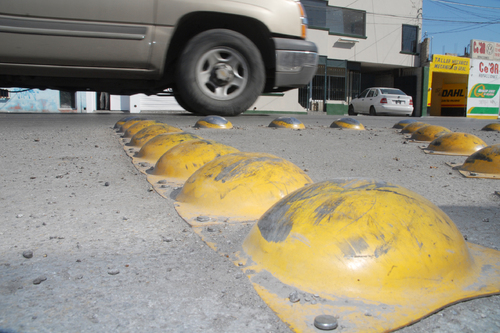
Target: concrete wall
{"type": "Point", "coordinates": [283, 102]}
{"type": "Point", "coordinates": [35, 100]}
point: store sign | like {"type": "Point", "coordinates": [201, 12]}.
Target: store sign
{"type": "Point", "coordinates": [453, 96]}
{"type": "Point", "coordinates": [450, 64]}
{"type": "Point", "coordinates": [483, 99]}
{"type": "Point", "coordinates": [481, 49]}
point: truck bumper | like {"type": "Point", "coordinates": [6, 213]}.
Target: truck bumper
{"type": "Point", "coordinates": [296, 62]}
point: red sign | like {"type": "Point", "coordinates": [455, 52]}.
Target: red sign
{"type": "Point", "coordinates": [485, 50]}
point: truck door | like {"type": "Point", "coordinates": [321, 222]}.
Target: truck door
{"type": "Point", "coordinates": [77, 33]}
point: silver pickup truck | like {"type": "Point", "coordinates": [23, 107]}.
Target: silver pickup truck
{"type": "Point", "coordinates": [217, 56]}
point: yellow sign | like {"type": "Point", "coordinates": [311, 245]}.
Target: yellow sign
{"type": "Point", "coordinates": [450, 64]}
{"type": "Point", "coordinates": [453, 96]}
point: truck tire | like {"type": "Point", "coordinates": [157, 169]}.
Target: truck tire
{"type": "Point", "coordinates": [182, 103]}
{"type": "Point", "coordinates": [220, 72]}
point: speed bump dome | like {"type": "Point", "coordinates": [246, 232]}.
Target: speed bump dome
{"type": "Point", "coordinates": [429, 133]}
{"type": "Point", "coordinates": [159, 145]}
{"type": "Point", "coordinates": [484, 163]}
{"type": "Point", "coordinates": [411, 128]}
{"type": "Point", "coordinates": [129, 123]}
{"type": "Point", "coordinates": [401, 124]}
{"type": "Point", "coordinates": [213, 122]}
{"type": "Point", "coordinates": [364, 244]}
{"type": "Point", "coordinates": [492, 127]}
{"type": "Point", "coordinates": [132, 130]}
{"type": "Point", "coordinates": [455, 144]}
{"type": "Point", "coordinates": [287, 122]}
{"type": "Point", "coordinates": [120, 122]}
{"type": "Point", "coordinates": [181, 161]}
{"type": "Point", "coordinates": [146, 134]}
{"type": "Point", "coordinates": [347, 123]}
{"type": "Point", "coordinates": [238, 187]}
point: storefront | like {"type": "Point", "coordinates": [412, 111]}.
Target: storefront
{"type": "Point", "coordinates": [483, 98]}
{"type": "Point", "coordinates": [466, 87]}
{"type": "Point", "coordinates": [448, 82]}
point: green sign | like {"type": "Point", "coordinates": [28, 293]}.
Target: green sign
{"type": "Point", "coordinates": [483, 90]}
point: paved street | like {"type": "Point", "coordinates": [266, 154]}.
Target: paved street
{"type": "Point", "coordinates": [111, 255]}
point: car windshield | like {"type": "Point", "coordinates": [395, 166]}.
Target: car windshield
{"type": "Point", "coordinates": [389, 91]}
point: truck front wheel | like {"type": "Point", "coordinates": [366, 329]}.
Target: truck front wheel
{"type": "Point", "coordinates": [220, 72]}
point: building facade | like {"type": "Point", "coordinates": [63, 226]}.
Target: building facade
{"type": "Point", "coordinates": [467, 86]}
{"type": "Point", "coordinates": [363, 44]}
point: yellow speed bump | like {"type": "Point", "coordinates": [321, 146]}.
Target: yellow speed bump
{"type": "Point", "coordinates": [375, 255]}
{"type": "Point", "coordinates": [214, 122]}
{"type": "Point", "coordinates": [237, 187]}
{"type": "Point", "coordinates": [455, 144]}
{"type": "Point", "coordinates": [132, 130]}
{"type": "Point", "coordinates": [429, 133]}
{"type": "Point", "coordinates": [347, 123]}
{"type": "Point", "coordinates": [180, 162]}
{"type": "Point", "coordinates": [129, 123]}
{"type": "Point", "coordinates": [151, 152]}
{"type": "Point", "coordinates": [402, 123]}
{"type": "Point", "coordinates": [484, 163]}
{"type": "Point", "coordinates": [146, 134]}
{"type": "Point", "coordinates": [120, 122]}
{"type": "Point", "coordinates": [410, 128]}
{"type": "Point", "coordinates": [492, 127]}
{"type": "Point", "coordinates": [287, 122]}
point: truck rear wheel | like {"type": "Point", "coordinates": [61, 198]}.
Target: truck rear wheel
{"type": "Point", "coordinates": [220, 72]}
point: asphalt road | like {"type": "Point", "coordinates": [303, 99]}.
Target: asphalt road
{"type": "Point", "coordinates": [111, 255]}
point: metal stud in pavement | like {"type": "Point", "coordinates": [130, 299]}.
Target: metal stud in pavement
{"type": "Point", "coordinates": [347, 123]}
{"type": "Point", "coordinates": [326, 322]}
{"type": "Point", "coordinates": [214, 122]}
{"type": "Point", "coordinates": [287, 122]}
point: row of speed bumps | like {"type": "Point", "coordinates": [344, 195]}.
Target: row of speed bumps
{"type": "Point", "coordinates": [482, 161]}
{"type": "Point", "coordinates": [351, 255]}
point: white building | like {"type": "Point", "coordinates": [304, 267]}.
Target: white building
{"type": "Point", "coordinates": [363, 44]}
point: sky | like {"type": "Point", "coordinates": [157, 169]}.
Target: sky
{"type": "Point", "coordinates": [451, 24]}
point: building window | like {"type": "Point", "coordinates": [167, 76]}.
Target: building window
{"type": "Point", "coordinates": [4, 94]}
{"type": "Point", "coordinates": [409, 40]}
{"type": "Point", "coordinates": [338, 20]}
{"type": "Point", "coordinates": [67, 99]}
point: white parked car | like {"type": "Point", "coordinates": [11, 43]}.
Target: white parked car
{"type": "Point", "coordinates": [374, 101]}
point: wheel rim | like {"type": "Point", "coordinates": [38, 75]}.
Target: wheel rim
{"type": "Point", "coordinates": [222, 73]}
